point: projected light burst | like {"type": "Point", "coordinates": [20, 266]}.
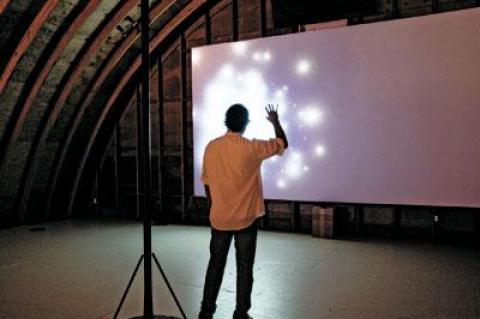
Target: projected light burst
{"type": "Point", "coordinates": [303, 66]}
{"type": "Point", "coordinates": [243, 79]}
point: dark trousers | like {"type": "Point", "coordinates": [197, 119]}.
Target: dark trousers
{"type": "Point", "coordinates": [245, 246]}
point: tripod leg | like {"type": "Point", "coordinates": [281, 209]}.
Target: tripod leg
{"type": "Point", "coordinates": [169, 287]}
{"type": "Point", "coordinates": [128, 288]}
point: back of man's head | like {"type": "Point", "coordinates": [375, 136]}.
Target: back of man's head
{"type": "Point", "coordinates": [236, 118]}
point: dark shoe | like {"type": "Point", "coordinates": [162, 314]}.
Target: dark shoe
{"type": "Point", "coordinates": [206, 312]}
{"type": "Point", "coordinates": [237, 315]}
{"type": "Point", "coordinates": [205, 316]}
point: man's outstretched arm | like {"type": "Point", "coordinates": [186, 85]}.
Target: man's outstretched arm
{"type": "Point", "coordinates": [272, 116]}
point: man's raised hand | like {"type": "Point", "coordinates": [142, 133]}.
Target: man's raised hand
{"type": "Point", "coordinates": [272, 113]}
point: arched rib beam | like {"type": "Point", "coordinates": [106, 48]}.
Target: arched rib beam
{"type": "Point", "coordinates": [25, 41]}
{"type": "Point", "coordinates": [187, 12]}
{"type": "Point", "coordinates": [30, 91]}
{"type": "Point", "coordinates": [47, 123]}
{"type": "Point", "coordinates": [3, 5]}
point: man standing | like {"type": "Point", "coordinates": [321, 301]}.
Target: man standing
{"type": "Point", "coordinates": [233, 184]}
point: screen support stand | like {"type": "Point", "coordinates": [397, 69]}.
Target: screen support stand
{"type": "Point", "coordinates": [144, 178]}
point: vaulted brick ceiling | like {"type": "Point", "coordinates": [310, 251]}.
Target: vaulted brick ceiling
{"type": "Point", "coordinates": [64, 65]}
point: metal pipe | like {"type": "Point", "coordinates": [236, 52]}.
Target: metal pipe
{"type": "Point", "coordinates": [184, 97]}
{"type": "Point", "coordinates": [145, 160]}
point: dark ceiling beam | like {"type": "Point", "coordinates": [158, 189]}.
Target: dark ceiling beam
{"type": "Point", "coordinates": [3, 5]}
{"type": "Point", "coordinates": [188, 11]}
{"type": "Point", "coordinates": [37, 78]}
{"type": "Point", "coordinates": [42, 134]}
{"type": "Point", "coordinates": [100, 149]}
{"type": "Point", "coordinates": [25, 41]}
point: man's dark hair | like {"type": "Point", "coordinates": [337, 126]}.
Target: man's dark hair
{"type": "Point", "coordinates": [236, 118]}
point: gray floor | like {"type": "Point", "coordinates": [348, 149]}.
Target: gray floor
{"type": "Point", "coordinates": [79, 269]}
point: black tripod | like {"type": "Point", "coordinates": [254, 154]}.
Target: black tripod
{"type": "Point", "coordinates": [144, 179]}
{"type": "Point", "coordinates": [166, 282]}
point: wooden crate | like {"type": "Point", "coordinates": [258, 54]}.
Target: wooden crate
{"type": "Point", "coordinates": [322, 222]}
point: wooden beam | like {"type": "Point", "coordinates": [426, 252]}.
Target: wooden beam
{"type": "Point", "coordinates": [167, 31]}
{"type": "Point", "coordinates": [139, 190]}
{"type": "Point", "coordinates": [38, 76]}
{"type": "Point", "coordinates": [208, 27]}
{"type": "Point", "coordinates": [477, 227]}
{"type": "Point", "coordinates": [297, 226]}
{"type": "Point", "coordinates": [100, 149]}
{"type": "Point", "coordinates": [3, 5]}
{"type": "Point", "coordinates": [25, 41]}
{"type": "Point", "coordinates": [91, 92]}
{"type": "Point", "coordinates": [435, 225]}
{"type": "Point", "coordinates": [263, 18]}
{"type": "Point", "coordinates": [395, 9]}
{"type": "Point", "coordinates": [161, 139]}
{"type": "Point", "coordinates": [235, 19]}
{"type": "Point", "coordinates": [183, 123]}
{"type": "Point", "coordinates": [117, 158]}
{"type": "Point", "coordinates": [396, 223]}
{"type": "Point", "coordinates": [359, 219]}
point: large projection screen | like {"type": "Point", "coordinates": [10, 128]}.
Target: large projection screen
{"type": "Point", "coordinates": [381, 113]}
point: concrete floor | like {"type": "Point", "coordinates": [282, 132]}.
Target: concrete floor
{"type": "Point", "coordinates": [79, 269]}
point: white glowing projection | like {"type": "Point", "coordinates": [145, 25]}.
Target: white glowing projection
{"type": "Point", "coordinates": [303, 66]}
{"type": "Point", "coordinates": [240, 48]}
{"type": "Point", "coordinates": [310, 115]}
{"type": "Point", "coordinates": [383, 113]}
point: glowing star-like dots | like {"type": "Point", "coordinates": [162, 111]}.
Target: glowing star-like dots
{"type": "Point", "coordinates": [310, 116]}
{"type": "Point", "coordinates": [281, 183]}
{"type": "Point", "coordinates": [319, 150]}
{"type": "Point", "coordinates": [227, 71]}
{"type": "Point", "coordinates": [294, 165]}
{"type": "Point", "coordinates": [262, 56]}
{"type": "Point", "coordinates": [279, 93]}
{"type": "Point", "coordinates": [240, 48]}
{"type": "Point", "coordinates": [303, 67]}
{"type": "Point", "coordinates": [196, 57]}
